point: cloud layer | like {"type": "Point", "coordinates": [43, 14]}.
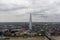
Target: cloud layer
{"type": "Point", "coordinates": [18, 10]}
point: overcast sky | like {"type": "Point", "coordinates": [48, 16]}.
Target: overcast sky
{"type": "Point", "coordinates": [18, 10]}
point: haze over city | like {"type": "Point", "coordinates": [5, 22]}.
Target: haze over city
{"type": "Point", "coordinates": [18, 10]}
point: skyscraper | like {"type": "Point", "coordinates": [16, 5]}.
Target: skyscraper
{"type": "Point", "coordinates": [30, 22]}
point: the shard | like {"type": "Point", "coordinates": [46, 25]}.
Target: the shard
{"type": "Point", "coordinates": [30, 22]}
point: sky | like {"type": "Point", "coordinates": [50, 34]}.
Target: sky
{"type": "Point", "coordinates": [19, 10]}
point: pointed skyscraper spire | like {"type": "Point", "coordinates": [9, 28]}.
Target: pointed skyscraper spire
{"type": "Point", "coordinates": [30, 22]}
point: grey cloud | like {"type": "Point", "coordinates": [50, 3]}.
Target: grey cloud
{"type": "Point", "coordinates": [40, 9]}
{"type": "Point", "coordinates": [4, 7]}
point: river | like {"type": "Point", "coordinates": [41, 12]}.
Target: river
{"type": "Point", "coordinates": [33, 38]}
